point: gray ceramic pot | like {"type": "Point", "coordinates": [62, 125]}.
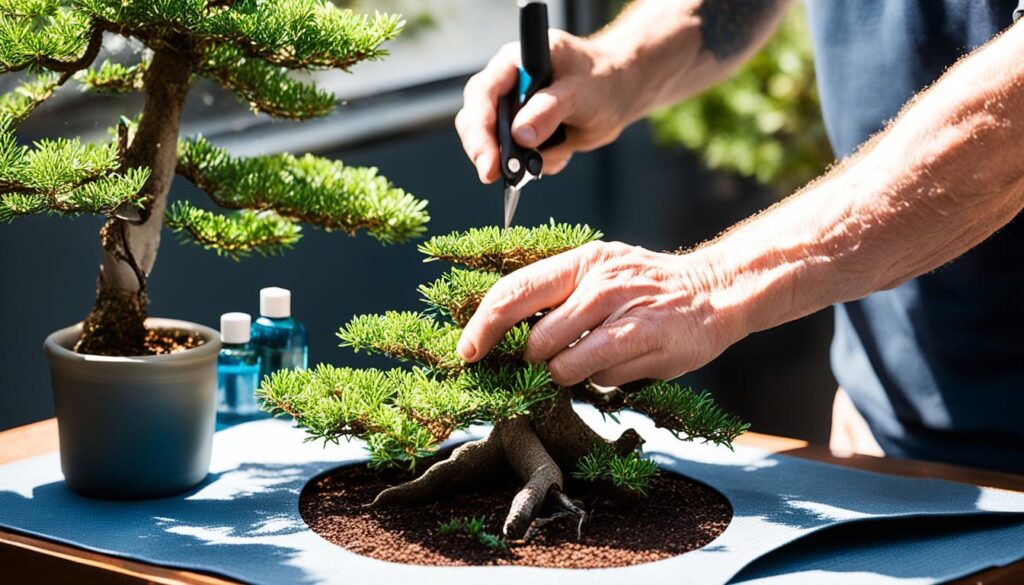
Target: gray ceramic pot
{"type": "Point", "coordinates": [134, 427]}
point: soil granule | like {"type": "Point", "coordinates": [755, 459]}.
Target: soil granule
{"type": "Point", "coordinates": [165, 341]}
{"type": "Point", "coordinates": [679, 515]}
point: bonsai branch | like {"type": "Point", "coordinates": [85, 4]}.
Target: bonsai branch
{"type": "Point", "coordinates": [68, 68]}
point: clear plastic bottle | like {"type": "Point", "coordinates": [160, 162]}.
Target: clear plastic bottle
{"type": "Point", "coordinates": [238, 370]}
{"type": "Point", "coordinates": [280, 339]}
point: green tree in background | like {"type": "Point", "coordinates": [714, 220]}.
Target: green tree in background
{"type": "Point", "coordinates": [765, 121]}
{"type": "Point", "coordinates": [261, 50]}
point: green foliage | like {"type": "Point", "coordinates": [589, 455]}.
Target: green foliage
{"type": "Point", "coordinates": [407, 335]}
{"type": "Point", "coordinates": [265, 87]}
{"type": "Point", "coordinates": [632, 471]}
{"type": "Point", "coordinates": [493, 249]}
{"type": "Point", "coordinates": [64, 176]}
{"type": "Point", "coordinates": [297, 34]}
{"type": "Point", "coordinates": [765, 121]}
{"type": "Point", "coordinates": [113, 77]}
{"type": "Point", "coordinates": [42, 33]}
{"type": "Point", "coordinates": [404, 415]}
{"type": "Point", "coordinates": [17, 104]}
{"type": "Point", "coordinates": [686, 413]}
{"type": "Point", "coordinates": [321, 192]}
{"type": "Point", "coordinates": [474, 528]}
{"type": "Point", "coordinates": [234, 236]}
{"type": "Point", "coordinates": [457, 294]}
{"type": "Point", "coordinates": [259, 49]}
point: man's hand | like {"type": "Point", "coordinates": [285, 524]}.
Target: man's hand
{"type": "Point", "coordinates": [648, 315]}
{"type": "Point", "coordinates": [587, 94]}
{"type": "Point", "coordinates": [657, 52]}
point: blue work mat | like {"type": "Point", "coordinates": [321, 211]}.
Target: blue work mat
{"type": "Point", "coordinates": [794, 520]}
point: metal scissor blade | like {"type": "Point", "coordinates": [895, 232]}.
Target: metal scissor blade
{"type": "Point", "coordinates": [511, 202]}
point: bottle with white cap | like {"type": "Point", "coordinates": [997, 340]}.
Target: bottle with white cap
{"type": "Point", "coordinates": [238, 370]}
{"type": "Point", "coordinates": [279, 338]}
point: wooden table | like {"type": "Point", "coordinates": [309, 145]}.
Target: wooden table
{"type": "Point", "coordinates": [31, 560]}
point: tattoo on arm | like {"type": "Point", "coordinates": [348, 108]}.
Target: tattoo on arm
{"type": "Point", "coordinates": [729, 26]}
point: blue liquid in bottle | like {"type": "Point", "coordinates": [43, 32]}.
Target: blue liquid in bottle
{"type": "Point", "coordinates": [238, 372]}
{"type": "Point", "coordinates": [280, 340]}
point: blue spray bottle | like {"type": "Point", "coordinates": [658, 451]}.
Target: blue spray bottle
{"type": "Point", "coordinates": [280, 339]}
{"type": "Point", "coordinates": [238, 370]}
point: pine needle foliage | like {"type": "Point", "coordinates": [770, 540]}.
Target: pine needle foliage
{"type": "Point", "coordinates": [114, 78]}
{"type": "Point", "coordinates": [404, 415]}
{"type": "Point", "coordinates": [493, 249]}
{"type": "Point", "coordinates": [263, 51]}
{"type": "Point", "coordinates": [686, 413]}
{"type": "Point", "coordinates": [457, 294]}
{"type": "Point", "coordinates": [64, 176]}
{"type": "Point", "coordinates": [317, 191]}
{"type": "Point", "coordinates": [16, 105]}
{"type": "Point", "coordinates": [473, 527]}
{"type": "Point", "coordinates": [234, 236]}
{"type": "Point", "coordinates": [631, 471]}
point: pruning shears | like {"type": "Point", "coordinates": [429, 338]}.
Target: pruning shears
{"type": "Point", "coordinates": [521, 165]}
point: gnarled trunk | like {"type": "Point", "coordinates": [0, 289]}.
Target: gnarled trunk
{"type": "Point", "coordinates": [115, 326]}
{"type": "Point", "coordinates": [541, 449]}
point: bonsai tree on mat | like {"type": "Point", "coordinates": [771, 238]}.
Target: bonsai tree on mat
{"type": "Point", "coordinates": [405, 414]}
{"type": "Point", "coordinates": [263, 52]}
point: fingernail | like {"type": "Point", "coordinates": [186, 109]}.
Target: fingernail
{"type": "Point", "coordinates": [466, 349]}
{"type": "Point", "coordinates": [525, 133]}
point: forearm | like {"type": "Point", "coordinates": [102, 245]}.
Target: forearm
{"type": "Point", "coordinates": [943, 177]}
{"type": "Point", "coordinates": [667, 50]}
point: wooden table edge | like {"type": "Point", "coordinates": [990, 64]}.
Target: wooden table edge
{"type": "Point", "coordinates": [38, 560]}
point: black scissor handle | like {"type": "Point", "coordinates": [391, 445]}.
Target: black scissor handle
{"type": "Point", "coordinates": [535, 74]}
{"type": "Point", "coordinates": [535, 53]}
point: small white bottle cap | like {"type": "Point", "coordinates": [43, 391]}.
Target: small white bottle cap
{"type": "Point", "coordinates": [275, 302]}
{"type": "Point", "coordinates": [234, 327]}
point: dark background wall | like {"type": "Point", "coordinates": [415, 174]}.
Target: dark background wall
{"type": "Point", "coordinates": [633, 190]}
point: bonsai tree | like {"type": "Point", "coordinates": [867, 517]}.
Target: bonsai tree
{"type": "Point", "coordinates": [263, 52]}
{"type": "Point", "coordinates": [403, 415]}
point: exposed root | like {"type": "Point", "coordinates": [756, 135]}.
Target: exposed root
{"type": "Point", "coordinates": [531, 461]}
{"type": "Point", "coordinates": [468, 463]}
{"type": "Point", "coordinates": [568, 509]}
{"type": "Point", "coordinates": [538, 449]}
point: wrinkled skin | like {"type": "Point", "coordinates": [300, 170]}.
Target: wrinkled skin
{"type": "Point", "coordinates": [648, 314]}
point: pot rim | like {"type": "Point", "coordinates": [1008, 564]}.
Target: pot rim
{"type": "Point", "coordinates": [58, 345]}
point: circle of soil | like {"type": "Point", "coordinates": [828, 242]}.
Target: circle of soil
{"type": "Point", "coordinates": [677, 516]}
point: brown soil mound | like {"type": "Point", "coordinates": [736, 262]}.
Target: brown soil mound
{"type": "Point", "coordinates": [678, 516]}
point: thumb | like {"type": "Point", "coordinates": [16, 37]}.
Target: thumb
{"type": "Point", "coordinates": [541, 115]}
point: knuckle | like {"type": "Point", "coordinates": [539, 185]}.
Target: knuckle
{"type": "Point", "coordinates": [470, 89]}
{"type": "Point", "coordinates": [539, 341]}
{"type": "Point", "coordinates": [460, 121]}
{"type": "Point", "coordinates": [562, 373]}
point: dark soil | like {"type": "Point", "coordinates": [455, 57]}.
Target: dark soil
{"type": "Point", "coordinates": [678, 516]}
{"type": "Point", "coordinates": [163, 341]}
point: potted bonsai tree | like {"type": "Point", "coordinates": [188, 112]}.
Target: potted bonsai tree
{"type": "Point", "coordinates": [134, 396]}
{"type": "Point", "coordinates": [404, 415]}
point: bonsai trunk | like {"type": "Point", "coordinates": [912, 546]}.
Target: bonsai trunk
{"type": "Point", "coordinates": [130, 238]}
{"type": "Point", "coordinates": [540, 449]}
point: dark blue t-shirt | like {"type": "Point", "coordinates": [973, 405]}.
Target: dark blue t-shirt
{"type": "Point", "coordinates": [936, 366]}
